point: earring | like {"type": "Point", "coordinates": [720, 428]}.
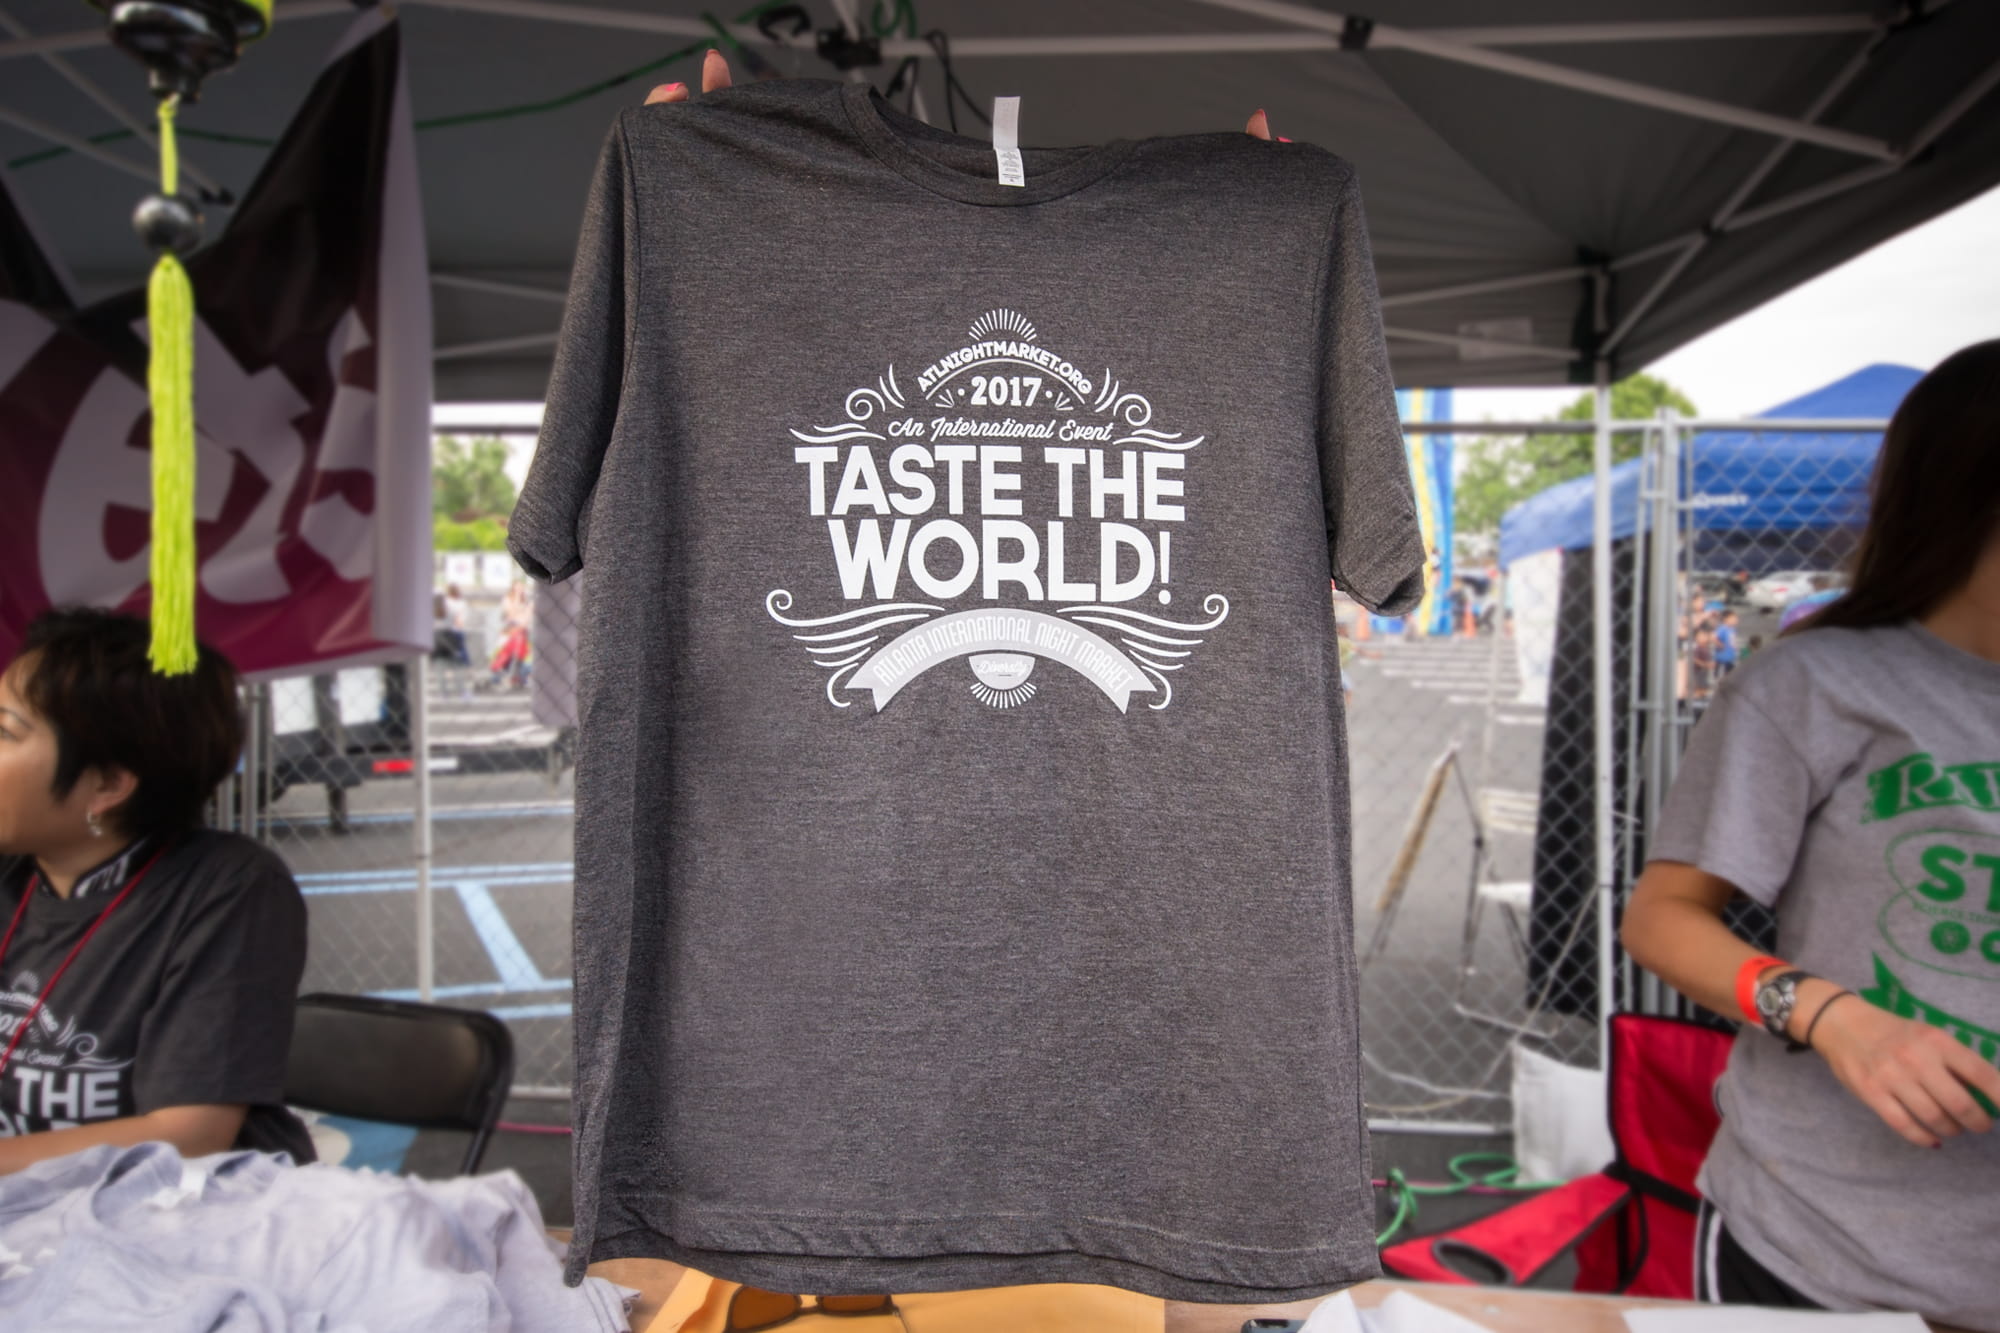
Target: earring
{"type": "Point", "coordinates": [92, 821]}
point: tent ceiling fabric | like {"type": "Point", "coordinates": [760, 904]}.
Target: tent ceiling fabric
{"type": "Point", "coordinates": [1474, 177]}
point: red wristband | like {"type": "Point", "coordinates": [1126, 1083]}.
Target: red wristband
{"type": "Point", "coordinates": [1746, 984]}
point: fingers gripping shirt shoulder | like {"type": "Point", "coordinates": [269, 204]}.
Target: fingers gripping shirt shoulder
{"type": "Point", "coordinates": [1375, 548]}
{"type": "Point", "coordinates": [587, 381]}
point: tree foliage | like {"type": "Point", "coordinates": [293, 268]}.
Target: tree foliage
{"type": "Point", "coordinates": [481, 534]}
{"type": "Point", "coordinates": [1499, 472]}
{"type": "Point", "coordinates": [469, 479]}
{"type": "Point", "coordinates": [471, 494]}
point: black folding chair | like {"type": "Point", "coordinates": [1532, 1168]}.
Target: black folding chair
{"type": "Point", "coordinates": [422, 1065]}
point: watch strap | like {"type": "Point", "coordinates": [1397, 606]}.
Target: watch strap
{"type": "Point", "coordinates": [1746, 984]}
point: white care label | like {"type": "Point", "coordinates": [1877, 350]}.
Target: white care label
{"type": "Point", "coordinates": [1007, 140]}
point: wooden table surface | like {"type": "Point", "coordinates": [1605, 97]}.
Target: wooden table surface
{"type": "Point", "coordinates": [1502, 1311]}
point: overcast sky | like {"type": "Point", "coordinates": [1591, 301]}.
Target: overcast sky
{"type": "Point", "coordinates": [1912, 301]}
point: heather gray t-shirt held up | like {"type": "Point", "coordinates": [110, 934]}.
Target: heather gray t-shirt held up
{"type": "Point", "coordinates": [962, 867]}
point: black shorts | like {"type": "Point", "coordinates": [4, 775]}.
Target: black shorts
{"type": "Point", "coordinates": [1725, 1274]}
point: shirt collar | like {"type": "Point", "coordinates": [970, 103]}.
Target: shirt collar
{"type": "Point", "coordinates": [106, 876]}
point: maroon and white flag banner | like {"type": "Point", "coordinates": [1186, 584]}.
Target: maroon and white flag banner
{"type": "Point", "coordinates": [312, 400]}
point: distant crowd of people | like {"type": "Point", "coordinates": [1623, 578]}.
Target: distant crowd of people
{"type": "Point", "coordinates": [1474, 600]}
{"type": "Point", "coordinates": [1712, 645]}
{"type": "Point", "coordinates": [512, 655]}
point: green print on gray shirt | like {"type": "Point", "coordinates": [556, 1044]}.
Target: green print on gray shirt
{"type": "Point", "coordinates": [1916, 782]}
{"type": "Point", "coordinates": [1947, 913]}
{"type": "Point", "coordinates": [1946, 918]}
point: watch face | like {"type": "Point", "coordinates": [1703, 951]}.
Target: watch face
{"type": "Point", "coordinates": [1774, 999]}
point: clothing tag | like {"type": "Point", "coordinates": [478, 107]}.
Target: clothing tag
{"type": "Point", "coordinates": [193, 1178]}
{"type": "Point", "coordinates": [1007, 139]}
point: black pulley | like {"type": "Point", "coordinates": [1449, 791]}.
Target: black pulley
{"type": "Point", "coordinates": [182, 42]}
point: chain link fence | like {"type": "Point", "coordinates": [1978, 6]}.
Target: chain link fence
{"type": "Point", "coordinates": [1747, 526]}
{"type": "Point", "coordinates": [1474, 838]}
{"type": "Point", "coordinates": [1480, 863]}
{"type": "Point", "coordinates": [350, 803]}
{"type": "Point", "coordinates": [1472, 748]}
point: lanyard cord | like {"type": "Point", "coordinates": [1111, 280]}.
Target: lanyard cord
{"type": "Point", "coordinates": [27, 892]}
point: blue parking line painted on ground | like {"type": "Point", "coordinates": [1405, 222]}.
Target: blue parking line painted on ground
{"type": "Point", "coordinates": [437, 872]}
{"type": "Point", "coordinates": [442, 885]}
{"type": "Point", "coordinates": [552, 810]}
{"type": "Point", "coordinates": [467, 991]}
{"type": "Point", "coordinates": [444, 877]}
{"type": "Point", "coordinates": [531, 1011]}
{"type": "Point", "coordinates": [509, 956]}
{"type": "Point", "coordinates": [474, 885]}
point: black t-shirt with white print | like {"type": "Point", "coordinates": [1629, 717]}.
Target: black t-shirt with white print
{"type": "Point", "coordinates": [183, 997]}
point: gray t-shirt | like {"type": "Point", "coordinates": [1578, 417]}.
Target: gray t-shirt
{"type": "Point", "coordinates": [1850, 779]}
{"type": "Point", "coordinates": [961, 855]}
{"type": "Point", "coordinates": [182, 997]}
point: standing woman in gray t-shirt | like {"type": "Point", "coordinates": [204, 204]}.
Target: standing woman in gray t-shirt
{"type": "Point", "coordinates": [1849, 777]}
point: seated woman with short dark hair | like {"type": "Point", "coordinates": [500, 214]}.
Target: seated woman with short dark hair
{"type": "Point", "coordinates": [148, 966]}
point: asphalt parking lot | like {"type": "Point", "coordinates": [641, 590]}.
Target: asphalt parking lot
{"type": "Point", "coordinates": [502, 867]}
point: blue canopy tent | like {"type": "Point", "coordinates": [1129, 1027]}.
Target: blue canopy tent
{"type": "Point", "coordinates": [1759, 491]}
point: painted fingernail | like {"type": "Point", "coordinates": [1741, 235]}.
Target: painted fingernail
{"type": "Point", "coordinates": [1283, 139]}
{"type": "Point", "coordinates": [677, 87]}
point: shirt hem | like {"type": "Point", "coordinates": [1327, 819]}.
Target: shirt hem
{"type": "Point", "coordinates": [1727, 1161]}
{"type": "Point", "coordinates": [843, 1256]}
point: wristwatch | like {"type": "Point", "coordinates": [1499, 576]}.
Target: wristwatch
{"type": "Point", "coordinates": [1776, 999]}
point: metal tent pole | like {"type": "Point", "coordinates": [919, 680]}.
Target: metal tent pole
{"type": "Point", "coordinates": [1384, 37]}
{"type": "Point", "coordinates": [526, 342]}
{"type": "Point", "coordinates": [78, 145]}
{"type": "Point", "coordinates": [1600, 707]}
{"type": "Point", "coordinates": [253, 779]}
{"type": "Point", "coordinates": [495, 287]}
{"type": "Point", "coordinates": [1514, 283]}
{"type": "Point", "coordinates": [1470, 344]}
{"type": "Point", "coordinates": [1721, 219]}
{"type": "Point", "coordinates": [420, 747]}
{"type": "Point", "coordinates": [1147, 43]}
{"type": "Point", "coordinates": [1663, 649]}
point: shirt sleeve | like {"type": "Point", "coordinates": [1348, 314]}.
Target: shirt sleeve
{"type": "Point", "coordinates": [1740, 805]}
{"type": "Point", "coordinates": [549, 529]}
{"type": "Point", "coordinates": [218, 1029]}
{"type": "Point", "coordinates": [1374, 545]}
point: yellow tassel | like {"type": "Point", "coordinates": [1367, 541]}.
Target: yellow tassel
{"type": "Point", "coordinates": [170, 381]}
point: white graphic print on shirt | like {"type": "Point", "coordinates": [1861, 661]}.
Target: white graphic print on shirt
{"type": "Point", "coordinates": [56, 1075]}
{"type": "Point", "coordinates": [1001, 403]}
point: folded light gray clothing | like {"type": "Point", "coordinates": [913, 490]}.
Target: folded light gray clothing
{"type": "Point", "coordinates": [139, 1238]}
